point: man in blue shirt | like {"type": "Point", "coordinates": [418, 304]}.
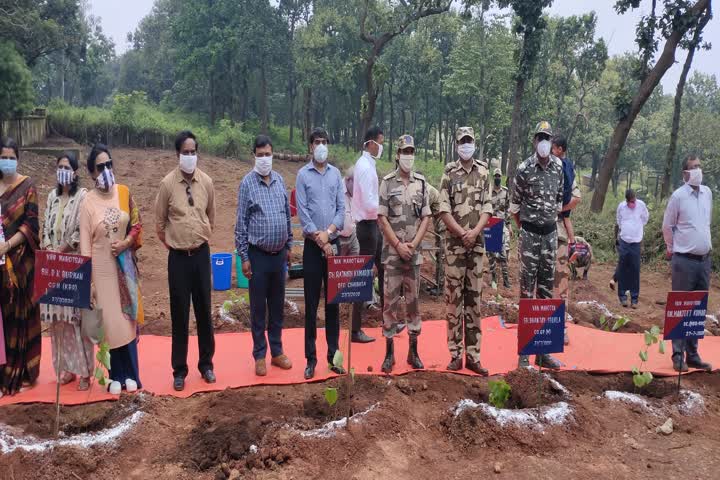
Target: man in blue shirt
{"type": "Point", "coordinates": [263, 238]}
{"type": "Point", "coordinates": [321, 208]}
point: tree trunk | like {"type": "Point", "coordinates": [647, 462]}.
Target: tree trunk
{"type": "Point", "coordinates": [515, 129]}
{"type": "Point", "coordinates": [264, 113]}
{"type": "Point", "coordinates": [368, 110]}
{"type": "Point", "coordinates": [595, 166]}
{"type": "Point", "coordinates": [392, 123]}
{"type": "Point", "coordinates": [622, 129]}
{"type": "Point", "coordinates": [307, 94]}
{"type": "Point", "coordinates": [672, 148]}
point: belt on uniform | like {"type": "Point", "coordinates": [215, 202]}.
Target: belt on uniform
{"type": "Point", "coordinates": [192, 251]}
{"type": "Point", "coordinates": [539, 229]}
{"type": "Point", "coordinates": [368, 221]}
{"type": "Point", "coordinates": [692, 256]}
{"type": "Point", "coordinates": [255, 247]}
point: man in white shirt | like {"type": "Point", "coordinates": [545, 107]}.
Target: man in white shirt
{"type": "Point", "coordinates": [365, 202]}
{"type": "Point", "coordinates": [686, 229]}
{"type": "Point", "coordinates": [631, 217]}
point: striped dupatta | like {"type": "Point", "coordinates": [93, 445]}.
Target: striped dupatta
{"type": "Point", "coordinates": [128, 274]}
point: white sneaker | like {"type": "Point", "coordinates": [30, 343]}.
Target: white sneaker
{"type": "Point", "coordinates": [130, 385]}
{"type": "Point", "coordinates": [115, 388]}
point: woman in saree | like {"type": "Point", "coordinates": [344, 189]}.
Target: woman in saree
{"type": "Point", "coordinates": [20, 319]}
{"type": "Point", "coordinates": [110, 233]}
{"type": "Point", "coordinates": [72, 351]}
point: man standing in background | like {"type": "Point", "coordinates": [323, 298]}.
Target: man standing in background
{"type": "Point", "coordinates": [263, 238]}
{"type": "Point", "coordinates": [365, 203]}
{"type": "Point", "coordinates": [631, 216]}
{"type": "Point", "coordinates": [501, 203]}
{"type": "Point", "coordinates": [321, 209]}
{"type": "Point", "coordinates": [686, 229]}
{"type": "Point", "coordinates": [439, 230]}
{"type": "Point", "coordinates": [185, 217]}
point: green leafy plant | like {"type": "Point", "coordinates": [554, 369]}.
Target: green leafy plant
{"type": "Point", "coordinates": [331, 395]}
{"type": "Point", "coordinates": [235, 301]}
{"type": "Point", "coordinates": [499, 393]}
{"type": "Point", "coordinates": [103, 362]}
{"type": "Point", "coordinates": [650, 337]}
{"type": "Point", "coordinates": [338, 359]}
{"type": "Point", "coordinates": [619, 323]}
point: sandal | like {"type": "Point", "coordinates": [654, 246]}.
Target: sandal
{"type": "Point", "coordinates": [84, 384]}
{"type": "Point", "coordinates": [67, 377]}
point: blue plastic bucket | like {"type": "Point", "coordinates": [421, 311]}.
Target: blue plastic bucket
{"type": "Point", "coordinates": [222, 270]}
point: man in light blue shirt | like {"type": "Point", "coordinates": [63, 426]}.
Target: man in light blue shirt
{"type": "Point", "coordinates": [686, 229]}
{"type": "Point", "coordinates": [321, 208]}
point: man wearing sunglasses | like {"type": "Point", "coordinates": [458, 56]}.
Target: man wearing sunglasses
{"type": "Point", "coordinates": [185, 215]}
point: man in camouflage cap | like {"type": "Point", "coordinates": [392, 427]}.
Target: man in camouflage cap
{"type": "Point", "coordinates": [439, 228]}
{"type": "Point", "coordinates": [404, 216]}
{"type": "Point", "coordinates": [536, 201]}
{"type": "Point", "coordinates": [465, 206]}
{"type": "Point", "coordinates": [501, 203]}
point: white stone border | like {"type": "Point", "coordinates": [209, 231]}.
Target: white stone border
{"type": "Point", "coordinates": [555, 414]}
{"type": "Point", "coordinates": [330, 428]}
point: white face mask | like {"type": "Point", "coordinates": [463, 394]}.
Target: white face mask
{"type": "Point", "coordinates": [543, 148]}
{"type": "Point", "coordinates": [380, 149]}
{"type": "Point", "coordinates": [320, 153]}
{"type": "Point", "coordinates": [105, 180]}
{"type": "Point", "coordinates": [263, 165]}
{"type": "Point", "coordinates": [695, 177]}
{"type": "Point", "coordinates": [188, 163]}
{"type": "Point", "coordinates": [406, 162]}
{"type": "Point", "coordinates": [65, 177]}
{"type": "Point", "coordinates": [466, 151]}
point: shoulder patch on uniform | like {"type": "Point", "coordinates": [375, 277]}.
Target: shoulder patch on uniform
{"type": "Point", "coordinates": [389, 176]}
{"type": "Point", "coordinates": [450, 167]}
{"type": "Point", "coordinates": [419, 176]}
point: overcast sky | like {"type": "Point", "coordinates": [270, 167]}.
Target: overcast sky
{"type": "Point", "coordinates": [122, 16]}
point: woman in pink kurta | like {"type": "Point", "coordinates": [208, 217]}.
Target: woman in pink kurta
{"type": "Point", "coordinates": [107, 230]}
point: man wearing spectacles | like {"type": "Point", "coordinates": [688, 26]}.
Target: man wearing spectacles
{"type": "Point", "coordinates": [185, 215]}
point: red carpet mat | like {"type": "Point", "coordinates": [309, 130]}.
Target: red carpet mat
{"type": "Point", "coordinates": [589, 350]}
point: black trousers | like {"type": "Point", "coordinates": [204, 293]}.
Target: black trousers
{"type": "Point", "coordinates": [189, 280]}
{"type": "Point", "coordinates": [370, 238]}
{"type": "Point", "coordinates": [267, 295]}
{"type": "Point", "coordinates": [314, 277]}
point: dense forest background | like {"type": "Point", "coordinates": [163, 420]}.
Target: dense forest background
{"type": "Point", "coordinates": [230, 69]}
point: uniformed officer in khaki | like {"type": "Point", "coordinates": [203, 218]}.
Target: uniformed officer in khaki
{"type": "Point", "coordinates": [501, 204]}
{"type": "Point", "coordinates": [404, 216]}
{"type": "Point", "coordinates": [439, 230]}
{"type": "Point", "coordinates": [465, 206]}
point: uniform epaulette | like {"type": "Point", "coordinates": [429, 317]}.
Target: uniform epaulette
{"type": "Point", "coordinates": [390, 175]}
{"type": "Point", "coordinates": [419, 176]}
{"type": "Point", "coordinates": [450, 166]}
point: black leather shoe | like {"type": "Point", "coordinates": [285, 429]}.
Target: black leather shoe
{"type": "Point", "coordinates": [455, 364]}
{"type": "Point", "coordinates": [338, 370]}
{"type": "Point", "coordinates": [209, 376]}
{"type": "Point", "coordinates": [179, 384]}
{"type": "Point", "coordinates": [309, 371]}
{"type": "Point", "coordinates": [361, 337]}
{"type": "Point", "coordinates": [548, 361]}
{"type": "Point", "coordinates": [413, 358]}
{"type": "Point", "coordinates": [699, 364]}
{"type": "Point", "coordinates": [389, 361]}
{"type": "Point", "coordinates": [679, 365]}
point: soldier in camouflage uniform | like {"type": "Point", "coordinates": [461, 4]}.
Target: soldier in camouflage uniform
{"type": "Point", "coordinates": [439, 229]}
{"type": "Point", "coordinates": [536, 201]}
{"type": "Point", "coordinates": [501, 204]}
{"type": "Point", "coordinates": [465, 206]}
{"type": "Point", "coordinates": [403, 216]}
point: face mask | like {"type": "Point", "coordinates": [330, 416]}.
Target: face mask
{"type": "Point", "coordinates": [380, 149]}
{"type": "Point", "coordinates": [320, 153]}
{"type": "Point", "coordinates": [497, 182]}
{"type": "Point", "coordinates": [543, 148]}
{"type": "Point", "coordinates": [105, 180]}
{"type": "Point", "coordinates": [263, 165]}
{"type": "Point", "coordinates": [8, 166]}
{"type": "Point", "coordinates": [188, 163]}
{"type": "Point", "coordinates": [407, 162]}
{"type": "Point", "coordinates": [695, 179]}
{"type": "Point", "coordinates": [466, 151]}
{"type": "Point", "coordinates": [65, 177]}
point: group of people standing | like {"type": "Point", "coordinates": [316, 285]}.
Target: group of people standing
{"type": "Point", "coordinates": [103, 224]}
{"type": "Point", "coordinates": [340, 215]}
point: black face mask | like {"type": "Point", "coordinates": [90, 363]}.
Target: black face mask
{"type": "Point", "coordinates": [497, 182]}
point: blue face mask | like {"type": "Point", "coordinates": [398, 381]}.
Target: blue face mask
{"type": "Point", "coordinates": [8, 166]}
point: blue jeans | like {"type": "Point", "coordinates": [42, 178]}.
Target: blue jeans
{"type": "Point", "coordinates": [688, 275]}
{"type": "Point", "coordinates": [267, 294]}
{"type": "Point", "coordinates": [628, 271]}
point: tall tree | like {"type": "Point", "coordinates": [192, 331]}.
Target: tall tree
{"type": "Point", "coordinates": [529, 25]}
{"type": "Point", "coordinates": [678, 18]}
{"type": "Point", "coordinates": [691, 46]}
{"type": "Point", "coordinates": [401, 17]}
{"type": "Point", "coordinates": [16, 94]}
